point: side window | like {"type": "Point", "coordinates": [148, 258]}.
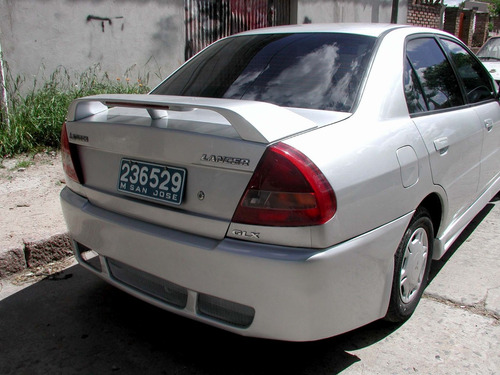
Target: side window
{"type": "Point", "coordinates": [413, 91]}
{"type": "Point", "coordinates": [439, 83]}
{"type": "Point", "coordinates": [478, 86]}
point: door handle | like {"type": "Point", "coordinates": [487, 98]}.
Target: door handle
{"type": "Point", "coordinates": [441, 145]}
{"type": "Point", "coordinates": [488, 124]}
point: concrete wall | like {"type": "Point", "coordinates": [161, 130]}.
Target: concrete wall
{"type": "Point", "coordinates": [131, 37]}
{"type": "Point", "coordinates": [37, 36]}
{"type": "Point", "coordinates": [324, 11]}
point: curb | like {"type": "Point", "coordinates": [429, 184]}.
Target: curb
{"type": "Point", "coordinates": [34, 254]}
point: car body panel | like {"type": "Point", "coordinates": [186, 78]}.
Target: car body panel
{"type": "Point", "coordinates": [290, 288]}
{"type": "Point", "coordinates": [102, 156]}
{"type": "Point", "coordinates": [489, 114]}
{"type": "Point", "coordinates": [454, 147]}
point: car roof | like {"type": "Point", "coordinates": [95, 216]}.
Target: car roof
{"type": "Point", "coordinates": [370, 29]}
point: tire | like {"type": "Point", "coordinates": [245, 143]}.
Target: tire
{"type": "Point", "coordinates": [412, 263]}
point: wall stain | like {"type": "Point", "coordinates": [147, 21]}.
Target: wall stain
{"type": "Point", "coordinates": [167, 33]}
{"type": "Point", "coordinates": [103, 20]}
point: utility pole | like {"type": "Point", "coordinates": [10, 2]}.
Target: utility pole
{"type": "Point", "coordinates": [394, 13]}
{"type": "Point", "coordinates": [4, 107]}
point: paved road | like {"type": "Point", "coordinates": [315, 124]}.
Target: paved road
{"type": "Point", "coordinates": [77, 324]}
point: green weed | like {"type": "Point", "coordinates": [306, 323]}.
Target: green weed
{"type": "Point", "coordinates": [23, 164]}
{"type": "Point", "coordinates": [37, 114]}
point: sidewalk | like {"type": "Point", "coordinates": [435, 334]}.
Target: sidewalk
{"type": "Point", "coordinates": [31, 222]}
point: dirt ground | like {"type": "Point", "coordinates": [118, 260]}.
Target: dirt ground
{"type": "Point", "coordinates": [29, 198]}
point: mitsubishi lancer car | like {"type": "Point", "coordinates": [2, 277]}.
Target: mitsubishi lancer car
{"type": "Point", "coordinates": [290, 183]}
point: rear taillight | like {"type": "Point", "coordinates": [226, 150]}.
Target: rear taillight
{"type": "Point", "coordinates": [286, 189]}
{"type": "Point", "coordinates": [67, 160]}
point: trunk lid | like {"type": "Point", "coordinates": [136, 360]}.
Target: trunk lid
{"type": "Point", "coordinates": [128, 146]}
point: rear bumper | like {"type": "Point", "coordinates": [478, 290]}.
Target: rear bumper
{"type": "Point", "coordinates": [294, 294]}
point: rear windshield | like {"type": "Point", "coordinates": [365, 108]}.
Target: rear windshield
{"type": "Point", "coordinates": [314, 70]}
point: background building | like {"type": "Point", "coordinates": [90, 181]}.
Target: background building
{"type": "Point", "coordinates": [147, 39]}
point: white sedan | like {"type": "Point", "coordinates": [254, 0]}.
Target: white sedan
{"type": "Point", "coordinates": [291, 183]}
{"type": "Point", "coordinates": [489, 54]}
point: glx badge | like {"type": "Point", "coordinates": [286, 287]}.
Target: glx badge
{"type": "Point", "coordinates": [244, 233]}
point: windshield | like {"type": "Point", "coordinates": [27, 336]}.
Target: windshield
{"type": "Point", "coordinates": [490, 50]}
{"type": "Point", "coordinates": [313, 70]}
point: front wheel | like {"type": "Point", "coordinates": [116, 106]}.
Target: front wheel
{"type": "Point", "coordinates": [412, 263]}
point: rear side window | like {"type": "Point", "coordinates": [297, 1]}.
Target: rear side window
{"type": "Point", "coordinates": [413, 91]}
{"type": "Point", "coordinates": [478, 86]}
{"type": "Point", "coordinates": [309, 70]}
{"type": "Point", "coordinates": [435, 74]}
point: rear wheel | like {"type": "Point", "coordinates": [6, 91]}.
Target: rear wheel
{"type": "Point", "coordinates": [412, 263]}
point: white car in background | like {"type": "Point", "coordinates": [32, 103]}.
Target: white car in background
{"type": "Point", "coordinates": [489, 54]}
{"type": "Point", "coordinates": [291, 183]}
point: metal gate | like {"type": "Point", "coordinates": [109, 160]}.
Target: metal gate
{"type": "Point", "coordinates": [209, 20]}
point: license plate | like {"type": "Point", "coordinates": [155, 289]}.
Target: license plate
{"type": "Point", "coordinates": [153, 181]}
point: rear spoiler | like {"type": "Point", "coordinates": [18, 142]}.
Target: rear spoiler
{"type": "Point", "coordinates": [253, 121]}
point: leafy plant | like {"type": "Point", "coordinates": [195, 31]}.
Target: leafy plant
{"type": "Point", "coordinates": [36, 114]}
{"type": "Point", "coordinates": [494, 8]}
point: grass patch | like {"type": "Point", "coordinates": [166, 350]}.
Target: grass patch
{"type": "Point", "coordinates": [23, 164]}
{"type": "Point", "coordinates": [37, 114]}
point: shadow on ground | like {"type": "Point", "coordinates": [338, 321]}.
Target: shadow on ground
{"type": "Point", "coordinates": [439, 264]}
{"type": "Point", "coordinates": [79, 324]}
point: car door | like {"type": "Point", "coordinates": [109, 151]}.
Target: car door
{"type": "Point", "coordinates": [489, 114]}
{"type": "Point", "coordinates": [450, 129]}
{"type": "Point", "coordinates": [480, 93]}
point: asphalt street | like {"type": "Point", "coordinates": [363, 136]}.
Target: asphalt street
{"type": "Point", "coordinates": [74, 323]}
